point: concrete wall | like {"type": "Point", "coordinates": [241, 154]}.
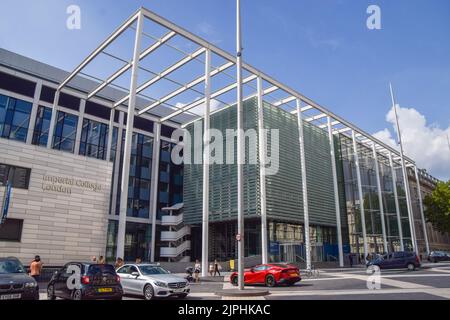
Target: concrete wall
{"type": "Point", "coordinates": [58, 226]}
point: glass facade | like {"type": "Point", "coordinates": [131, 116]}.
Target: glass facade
{"type": "Point", "coordinates": [65, 132]}
{"type": "Point", "coordinates": [94, 139]}
{"type": "Point", "coordinates": [137, 241]}
{"type": "Point", "coordinates": [42, 126]}
{"type": "Point", "coordinates": [14, 118]}
{"type": "Point", "coordinates": [170, 180]}
{"type": "Point", "coordinates": [140, 176]}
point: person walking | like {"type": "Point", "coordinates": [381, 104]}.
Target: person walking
{"type": "Point", "coordinates": [101, 260]}
{"type": "Point", "coordinates": [36, 268]}
{"type": "Point", "coordinates": [94, 259]}
{"type": "Point", "coordinates": [217, 268]}
{"type": "Point", "coordinates": [197, 269]}
{"type": "Point", "coordinates": [350, 258]}
{"type": "Point", "coordinates": [138, 260]}
{"type": "Point", "coordinates": [211, 269]}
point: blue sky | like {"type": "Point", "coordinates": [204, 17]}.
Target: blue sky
{"type": "Point", "coordinates": [322, 48]}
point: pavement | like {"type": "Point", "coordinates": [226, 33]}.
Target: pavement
{"type": "Point", "coordinates": [432, 282]}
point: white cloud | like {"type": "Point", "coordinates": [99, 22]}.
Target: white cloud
{"type": "Point", "coordinates": [426, 144]}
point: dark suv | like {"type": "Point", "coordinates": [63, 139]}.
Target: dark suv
{"type": "Point", "coordinates": [397, 260]}
{"type": "Point", "coordinates": [438, 256]}
{"type": "Point", "coordinates": [15, 283]}
{"type": "Point", "coordinates": [85, 281]}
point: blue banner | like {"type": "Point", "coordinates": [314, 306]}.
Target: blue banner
{"type": "Point", "coordinates": [6, 201]}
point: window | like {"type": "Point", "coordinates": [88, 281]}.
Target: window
{"type": "Point", "coordinates": [97, 110]}
{"type": "Point", "coordinates": [14, 118]}
{"type": "Point", "coordinates": [11, 230]}
{"type": "Point", "coordinates": [48, 94]}
{"type": "Point", "coordinates": [68, 101]}
{"type": "Point", "coordinates": [94, 138]}
{"type": "Point", "coordinates": [17, 85]}
{"type": "Point", "coordinates": [65, 132]}
{"type": "Point", "coordinates": [17, 176]}
{"type": "Point", "coordinates": [40, 134]}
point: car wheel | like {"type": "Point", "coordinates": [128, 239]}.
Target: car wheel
{"type": "Point", "coordinates": [270, 281]}
{"type": "Point", "coordinates": [235, 281]}
{"type": "Point", "coordinates": [149, 293]}
{"type": "Point", "coordinates": [51, 292]}
{"type": "Point", "coordinates": [77, 295]}
{"type": "Point", "coordinates": [411, 267]}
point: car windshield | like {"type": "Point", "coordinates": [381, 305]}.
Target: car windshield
{"type": "Point", "coordinates": [101, 268]}
{"type": "Point", "coordinates": [11, 266]}
{"type": "Point", "coordinates": [152, 270]}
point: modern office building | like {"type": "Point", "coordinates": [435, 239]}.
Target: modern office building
{"type": "Point", "coordinates": [70, 140]}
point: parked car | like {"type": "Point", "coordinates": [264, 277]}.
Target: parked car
{"type": "Point", "coordinates": [15, 283]}
{"type": "Point", "coordinates": [438, 256]}
{"type": "Point", "coordinates": [397, 260]}
{"type": "Point", "coordinates": [269, 275]}
{"type": "Point", "coordinates": [152, 281]}
{"type": "Point", "coordinates": [97, 281]}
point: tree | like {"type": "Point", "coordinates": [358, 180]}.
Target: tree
{"type": "Point", "coordinates": [437, 207]}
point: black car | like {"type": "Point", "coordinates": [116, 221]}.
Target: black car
{"type": "Point", "coordinates": [85, 281]}
{"type": "Point", "coordinates": [15, 283]}
{"type": "Point", "coordinates": [397, 260]}
{"type": "Point", "coordinates": [438, 256]}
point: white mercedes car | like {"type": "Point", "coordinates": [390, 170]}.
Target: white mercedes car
{"type": "Point", "coordinates": [152, 281]}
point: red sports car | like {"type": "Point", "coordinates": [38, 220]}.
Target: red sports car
{"type": "Point", "coordinates": [269, 275]}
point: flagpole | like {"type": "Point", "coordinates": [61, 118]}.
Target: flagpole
{"type": "Point", "coordinates": [240, 152]}
{"type": "Point", "coordinates": [405, 175]}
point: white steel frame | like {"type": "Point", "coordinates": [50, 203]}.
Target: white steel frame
{"type": "Point", "coordinates": [338, 125]}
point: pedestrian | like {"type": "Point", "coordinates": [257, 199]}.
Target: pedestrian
{"type": "Point", "coordinates": [350, 258]}
{"type": "Point", "coordinates": [138, 260]}
{"type": "Point", "coordinates": [197, 269]}
{"type": "Point", "coordinates": [119, 263]}
{"type": "Point", "coordinates": [36, 268]}
{"type": "Point", "coordinates": [211, 269]}
{"type": "Point", "coordinates": [217, 268]}
{"type": "Point", "coordinates": [94, 259]}
{"type": "Point", "coordinates": [101, 260]}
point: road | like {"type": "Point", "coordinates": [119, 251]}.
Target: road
{"type": "Point", "coordinates": [429, 283]}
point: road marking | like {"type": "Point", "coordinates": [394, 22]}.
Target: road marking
{"type": "Point", "coordinates": [390, 282]}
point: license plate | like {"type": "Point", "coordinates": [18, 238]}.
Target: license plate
{"type": "Point", "coordinates": [178, 290]}
{"type": "Point", "coordinates": [10, 296]}
{"type": "Point", "coordinates": [105, 290]}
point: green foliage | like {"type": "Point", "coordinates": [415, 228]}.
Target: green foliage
{"type": "Point", "coordinates": [437, 207]}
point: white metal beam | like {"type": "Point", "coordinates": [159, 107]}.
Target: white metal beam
{"type": "Point", "coordinates": [336, 193]}
{"type": "Point", "coordinates": [304, 185]}
{"type": "Point", "coordinates": [317, 117]}
{"type": "Point", "coordinates": [163, 74]}
{"type": "Point", "coordinates": [102, 47]}
{"type": "Point", "coordinates": [360, 195]}
{"type": "Point", "coordinates": [397, 204]}
{"type": "Point", "coordinates": [201, 101]}
{"type": "Point", "coordinates": [422, 215]}
{"type": "Point", "coordinates": [127, 67]}
{"type": "Point", "coordinates": [284, 101]}
{"type": "Point", "coordinates": [185, 88]}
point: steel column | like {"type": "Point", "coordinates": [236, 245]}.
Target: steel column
{"type": "Point", "coordinates": [128, 140]}
{"type": "Point", "coordinates": [206, 167]}
{"type": "Point", "coordinates": [336, 194]}
{"type": "Point", "coordinates": [262, 171]}
{"type": "Point", "coordinates": [51, 128]}
{"type": "Point", "coordinates": [397, 205]}
{"type": "Point", "coordinates": [79, 126]}
{"type": "Point", "coordinates": [422, 215]}
{"type": "Point", "coordinates": [155, 184]}
{"type": "Point", "coordinates": [304, 184]}
{"type": "Point", "coordinates": [360, 193]}
{"type": "Point", "coordinates": [34, 111]}
{"type": "Point", "coordinates": [380, 199]}
{"type": "Point", "coordinates": [110, 135]}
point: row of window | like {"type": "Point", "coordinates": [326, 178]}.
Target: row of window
{"type": "Point", "coordinates": [17, 177]}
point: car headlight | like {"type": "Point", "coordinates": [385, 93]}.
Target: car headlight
{"type": "Point", "coordinates": [160, 284]}
{"type": "Point", "coordinates": [30, 285]}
